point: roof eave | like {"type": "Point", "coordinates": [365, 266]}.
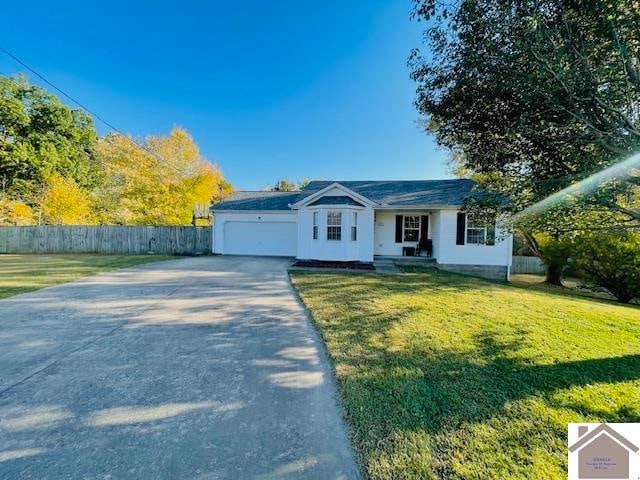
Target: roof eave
{"type": "Point", "coordinates": [417, 207]}
{"type": "Point", "coordinates": [230, 210]}
{"type": "Point", "coordinates": [336, 205]}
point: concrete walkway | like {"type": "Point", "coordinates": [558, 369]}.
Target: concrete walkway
{"type": "Point", "coordinates": [198, 368]}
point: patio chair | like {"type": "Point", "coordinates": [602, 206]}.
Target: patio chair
{"type": "Point", "coordinates": [424, 245]}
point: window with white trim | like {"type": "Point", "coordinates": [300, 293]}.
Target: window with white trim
{"type": "Point", "coordinates": [354, 226]}
{"type": "Point", "coordinates": [315, 225]}
{"type": "Point", "coordinates": [411, 228]}
{"type": "Point", "coordinates": [334, 225]}
{"type": "Point", "coordinates": [476, 235]}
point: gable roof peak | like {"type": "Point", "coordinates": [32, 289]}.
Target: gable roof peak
{"type": "Point", "coordinates": [307, 196]}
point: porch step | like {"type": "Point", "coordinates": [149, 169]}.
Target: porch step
{"type": "Point", "coordinates": [411, 260]}
{"type": "Point", "coordinates": [390, 265]}
{"type": "Point", "coordinates": [386, 266]}
{"type": "Point", "coordinates": [383, 262]}
{"type": "Point", "coordinates": [416, 261]}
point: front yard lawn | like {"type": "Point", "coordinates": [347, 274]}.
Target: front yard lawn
{"type": "Point", "coordinates": [24, 273]}
{"type": "Point", "coordinates": [450, 377]}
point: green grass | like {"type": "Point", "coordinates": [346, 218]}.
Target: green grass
{"type": "Point", "coordinates": [451, 377]}
{"type": "Point", "coordinates": [24, 273]}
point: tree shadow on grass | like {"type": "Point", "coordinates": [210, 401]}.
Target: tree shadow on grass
{"type": "Point", "coordinates": [488, 382]}
{"type": "Point", "coordinates": [451, 387]}
{"type": "Point", "coordinates": [445, 394]}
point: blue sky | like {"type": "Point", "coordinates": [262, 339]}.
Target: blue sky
{"type": "Point", "coordinates": [269, 89]}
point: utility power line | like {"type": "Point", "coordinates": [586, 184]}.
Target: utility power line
{"type": "Point", "coordinates": [93, 114]}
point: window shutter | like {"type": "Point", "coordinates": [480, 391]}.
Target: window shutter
{"type": "Point", "coordinates": [461, 223]}
{"type": "Point", "coordinates": [424, 227]}
{"type": "Point", "coordinates": [398, 228]}
{"type": "Point", "coordinates": [491, 234]}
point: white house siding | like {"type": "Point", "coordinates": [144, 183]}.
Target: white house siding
{"type": "Point", "coordinates": [434, 231]}
{"type": "Point", "coordinates": [259, 233]}
{"type": "Point", "coordinates": [345, 249]}
{"type": "Point", "coordinates": [291, 234]}
{"type": "Point", "coordinates": [489, 261]}
{"type": "Point", "coordinates": [385, 232]}
{"type": "Point", "coordinates": [449, 252]}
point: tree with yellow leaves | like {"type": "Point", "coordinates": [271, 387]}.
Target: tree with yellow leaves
{"type": "Point", "coordinates": [155, 187]}
{"type": "Point", "coordinates": [64, 202]}
{"type": "Point", "coordinates": [15, 212]}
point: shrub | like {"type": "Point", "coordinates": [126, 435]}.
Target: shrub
{"type": "Point", "coordinates": [611, 260]}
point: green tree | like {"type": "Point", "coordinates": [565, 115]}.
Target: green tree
{"type": "Point", "coordinates": [302, 184]}
{"type": "Point", "coordinates": [534, 95]}
{"type": "Point", "coordinates": [157, 186]}
{"type": "Point", "coordinates": [284, 185]}
{"type": "Point", "coordinates": [554, 251]}
{"type": "Point", "coordinates": [611, 260]}
{"type": "Point", "coordinates": [39, 136]}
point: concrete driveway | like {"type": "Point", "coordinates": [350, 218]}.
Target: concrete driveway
{"type": "Point", "coordinates": [200, 368]}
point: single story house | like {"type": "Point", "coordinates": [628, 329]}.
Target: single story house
{"type": "Point", "coordinates": [360, 221]}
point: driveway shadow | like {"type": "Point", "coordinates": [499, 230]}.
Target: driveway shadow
{"type": "Point", "coordinates": [201, 368]}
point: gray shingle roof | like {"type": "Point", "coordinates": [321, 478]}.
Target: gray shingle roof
{"type": "Point", "coordinates": [242, 200]}
{"type": "Point", "coordinates": [336, 200]}
{"type": "Point", "coordinates": [423, 193]}
{"type": "Point", "coordinates": [406, 192]}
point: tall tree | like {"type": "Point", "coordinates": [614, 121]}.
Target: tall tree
{"type": "Point", "coordinates": [159, 185]}
{"type": "Point", "coordinates": [39, 136]}
{"type": "Point", "coordinates": [534, 95]}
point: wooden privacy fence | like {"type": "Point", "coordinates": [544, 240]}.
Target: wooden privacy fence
{"type": "Point", "coordinates": [523, 264]}
{"type": "Point", "coordinates": [106, 239]}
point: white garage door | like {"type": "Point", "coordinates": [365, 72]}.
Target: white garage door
{"type": "Point", "coordinates": [260, 238]}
